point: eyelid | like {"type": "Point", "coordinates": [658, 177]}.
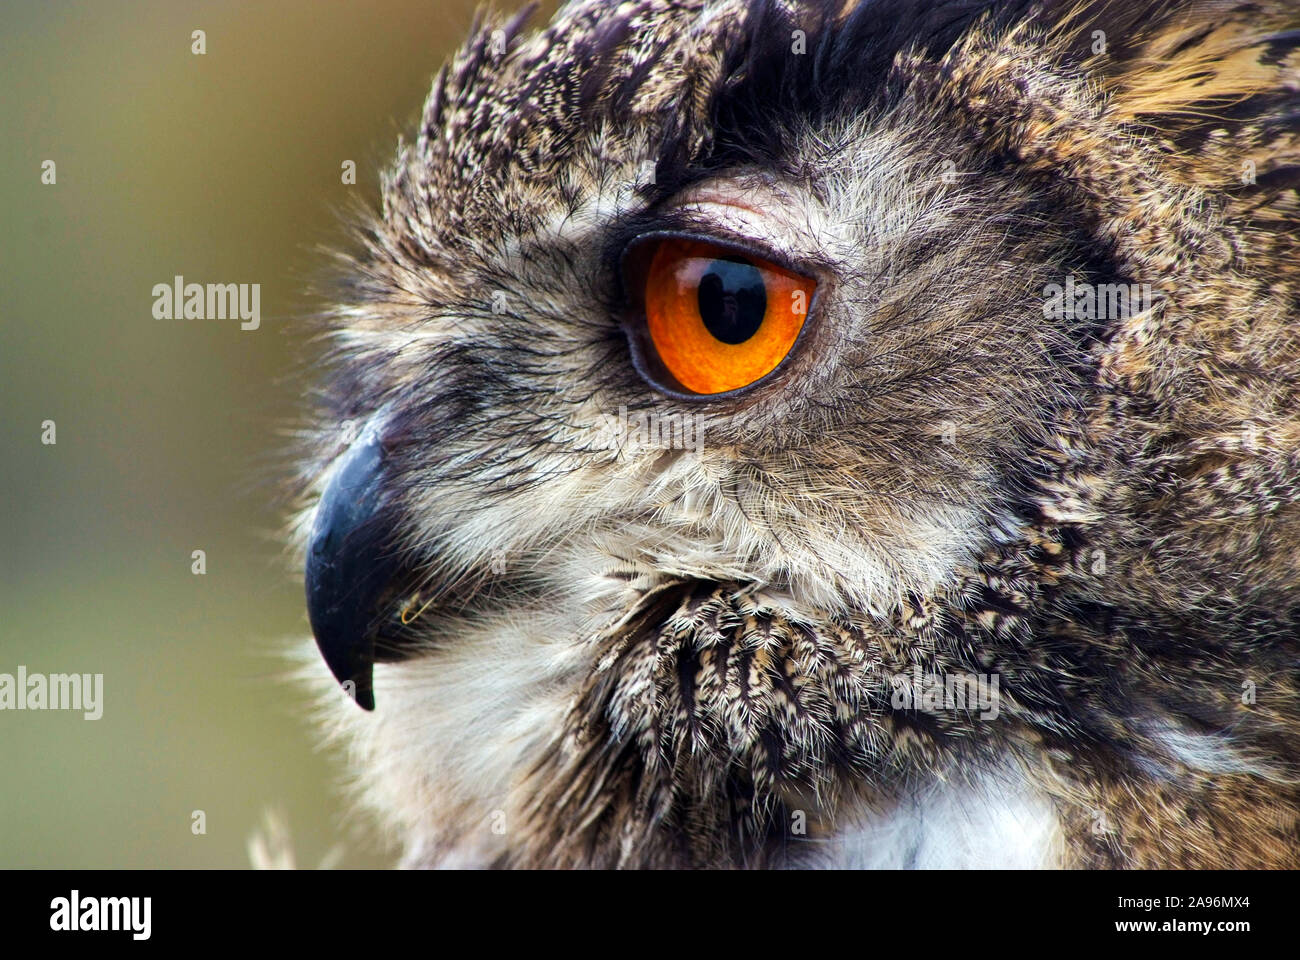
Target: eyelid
{"type": "Point", "coordinates": [743, 246]}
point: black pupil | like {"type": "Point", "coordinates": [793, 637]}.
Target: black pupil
{"type": "Point", "coordinates": [733, 300]}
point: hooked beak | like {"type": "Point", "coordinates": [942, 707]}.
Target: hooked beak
{"type": "Point", "coordinates": [349, 563]}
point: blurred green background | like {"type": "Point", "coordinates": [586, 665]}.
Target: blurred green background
{"type": "Point", "coordinates": [225, 168]}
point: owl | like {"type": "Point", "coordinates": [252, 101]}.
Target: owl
{"type": "Point", "coordinates": [827, 433]}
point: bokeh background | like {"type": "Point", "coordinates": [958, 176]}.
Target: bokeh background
{"type": "Point", "coordinates": [224, 168]}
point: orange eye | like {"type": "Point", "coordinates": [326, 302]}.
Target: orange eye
{"type": "Point", "coordinates": [721, 320]}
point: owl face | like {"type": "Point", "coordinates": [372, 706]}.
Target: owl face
{"type": "Point", "coordinates": [697, 377]}
{"type": "Point", "coordinates": [555, 402]}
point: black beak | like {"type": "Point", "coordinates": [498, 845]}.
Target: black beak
{"type": "Point", "coordinates": [349, 563]}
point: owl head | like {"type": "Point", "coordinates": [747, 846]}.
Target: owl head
{"type": "Point", "coordinates": [711, 365]}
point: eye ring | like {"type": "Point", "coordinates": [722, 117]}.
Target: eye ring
{"type": "Point", "coordinates": [718, 352]}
